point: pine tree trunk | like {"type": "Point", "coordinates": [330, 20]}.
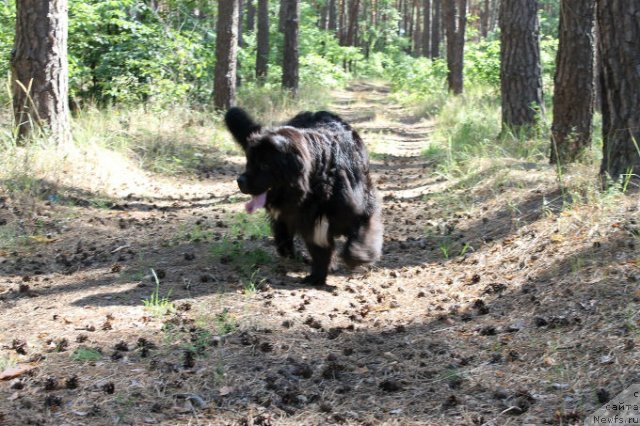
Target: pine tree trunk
{"type": "Point", "coordinates": [290, 78]}
{"type": "Point", "coordinates": [281, 17]}
{"type": "Point", "coordinates": [435, 29]}
{"type": "Point", "coordinates": [573, 97]}
{"type": "Point", "coordinates": [333, 22]}
{"type": "Point", "coordinates": [619, 31]}
{"type": "Point", "coordinates": [262, 53]}
{"type": "Point", "coordinates": [455, 15]}
{"type": "Point", "coordinates": [251, 16]}
{"type": "Point", "coordinates": [426, 28]}
{"type": "Point", "coordinates": [520, 69]}
{"type": "Point", "coordinates": [226, 53]}
{"type": "Point", "coordinates": [417, 33]}
{"type": "Point", "coordinates": [40, 77]}
{"type": "Point", "coordinates": [484, 19]}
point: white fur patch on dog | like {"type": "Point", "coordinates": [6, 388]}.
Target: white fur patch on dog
{"type": "Point", "coordinates": [275, 213]}
{"type": "Point", "coordinates": [321, 232]}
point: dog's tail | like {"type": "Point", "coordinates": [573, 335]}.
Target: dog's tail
{"type": "Point", "coordinates": [240, 124]}
{"type": "Point", "coordinates": [365, 245]}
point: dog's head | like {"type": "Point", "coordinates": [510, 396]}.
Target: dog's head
{"type": "Point", "coordinates": [275, 157]}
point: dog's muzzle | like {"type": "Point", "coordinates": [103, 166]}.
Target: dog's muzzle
{"type": "Point", "coordinates": [242, 184]}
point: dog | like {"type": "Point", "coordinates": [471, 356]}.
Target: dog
{"type": "Point", "coordinates": [312, 177]}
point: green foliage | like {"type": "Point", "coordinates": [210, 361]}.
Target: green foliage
{"type": "Point", "coordinates": [156, 304]}
{"type": "Point", "coordinates": [85, 354]}
{"type": "Point", "coordinates": [7, 30]}
{"type": "Point", "coordinates": [119, 52]}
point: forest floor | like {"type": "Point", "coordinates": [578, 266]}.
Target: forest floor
{"type": "Point", "coordinates": [497, 300]}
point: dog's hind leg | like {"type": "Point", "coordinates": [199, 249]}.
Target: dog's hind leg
{"type": "Point", "coordinates": [320, 261]}
{"type": "Point", "coordinates": [283, 238]}
{"type": "Point", "coordinates": [364, 244]}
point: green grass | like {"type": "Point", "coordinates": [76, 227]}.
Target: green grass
{"type": "Point", "coordinates": [85, 354]}
{"type": "Point", "coordinates": [7, 361]}
{"type": "Point", "coordinates": [158, 305]}
{"type": "Point", "coordinates": [250, 226]}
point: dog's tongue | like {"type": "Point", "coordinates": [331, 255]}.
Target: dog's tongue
{"type": "Point", "coordinates": [256, 202]}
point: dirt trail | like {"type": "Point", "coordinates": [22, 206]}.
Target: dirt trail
{"type": "Point", "coordinates": [472, 316]}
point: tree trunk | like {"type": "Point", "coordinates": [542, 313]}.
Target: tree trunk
{"type": "Point", "coordinates": [240, 16]}
{"type": "Point", "coordinates": [619, 31]}
{"type": "Point", "coordinates": [40, 77]}
{"type": "Point", "coordinates": [435, 29]}
{"type": "Point", "coordinates": [251, 16]}
{"type": "Point", "coordinates": [520, 69]}
{"type": "Point", "coordinates": [262, 53]}
{"type": "Point", "coordinates": [484, 19]}
{"type": "Point", "coordinates": [281, 17]}
{"type": "Point", "coordinates": [290, 79]}
{"type": "Point", "coordinates": [455, 16]}
{"type": "Point", "coordinates": [573, 97]}
{"type": "Point", "coordinates": [426, 28]}
{"type": "Point", "coordinates": [226, 53]}
{"type": "Point", "coordinates": [333, 22]}
{"type": "Point", "coordinates": [353, 23]}
{"type": "Point", "coordinates": [417, 32]}
{"type": "Point", "coordinates": [344, 22]}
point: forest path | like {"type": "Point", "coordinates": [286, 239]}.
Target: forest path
{"type": "Point", "coordinates": [465, 320]}
{"type": "Point", "coordinates": [395, 135]}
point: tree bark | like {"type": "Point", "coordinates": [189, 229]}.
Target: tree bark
{"type": "Point", "coordinates": [290, 78]}
{"type": "Point", "coordinates": [455, 15]}
{"type": "Point", "coordinates": [262, 49]}
{"type": "Point", "coordinates": [333, 22]}
{"type": "Point", "coordinates": [619, 32]}
{"type": "Point", "coordinates": [39, 67]}
{"type": "Point", "coordinates": [484, 19]}
{"type": "Point", "coordinates": [573, 97]}
{"type": "Point", "coordinates": [251, 16]}
{"type": "Point", "coordinates": [417, 32]}
{"type": "Point", "coordinates": [226, 54]}
{"type": "Point", "coordinates": [435, 29]}
{"type": "Point", "coordinates": [520, 69]}
{"type": "Point", "coordinates": [426, 28]}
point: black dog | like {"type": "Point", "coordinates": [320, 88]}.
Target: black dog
{"type": "Point", "coordinates": [312, 176]}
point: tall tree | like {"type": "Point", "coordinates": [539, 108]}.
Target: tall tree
{"type": "Point", "coordinates": [333, 14]}
{"type": "Point", "coordinates": [573, 95]}
{"type": "Point", "coordinates": [426, 28]}
{"type": "Point", "coordinates": [39, 67]}
{"type": "Point", "coordinates": [619, 32]}
{"type": "Point", "coordinates": [226, 54]}
{"type": "Point", "coordinates": [520, 69]}
{"type": "Point", "coordinates": [455, 15]}
{"type": "Point", "coordinates": [290, 66]}
{"type": "Point", "coordinates": [262, 53]}
{"type": "Point", "coordinates": [435, 28]}
{"type": "Point", "coordinates": [251, 15]}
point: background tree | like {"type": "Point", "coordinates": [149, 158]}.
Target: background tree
{"type": "Point", "coordinates": [226, 53]}
{"type": "Point", "coordinates": [435, 28]}
{"type": "Point", "coordinates": [455, 16]}
{"type": "Point", "coordinates": [520, 68]}
{"type": "Point", "coordinates": [39, 68]}
{"type": "Point", "coordinates": [573, 96]}
{"type": "Point", "coordinates": [619, 32]}
{"type": "Point", "coordinates": [262, 50]}
{"type": "Point", "coordinates": [290, 66]}
{"type": "Point", "coordinates": [426, 28]}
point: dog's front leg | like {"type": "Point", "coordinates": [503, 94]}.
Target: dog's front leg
{"type": "Point", "coordinates": [320, 261]}
{"type": "Point", "coordinates": [283, 238]}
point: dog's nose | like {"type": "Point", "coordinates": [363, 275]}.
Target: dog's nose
{"type": "Point", "coordinates": [242, 183]}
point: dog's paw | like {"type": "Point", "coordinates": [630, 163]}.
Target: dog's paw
{"type": "Point", "coordinates": [314, 280]}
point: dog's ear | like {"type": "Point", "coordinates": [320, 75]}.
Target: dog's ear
{"type": "Point", "coordinates": [241, 125]}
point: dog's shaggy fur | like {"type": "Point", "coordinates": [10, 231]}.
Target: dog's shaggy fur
{"type": "Point", "coordinates": [312, 176]}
